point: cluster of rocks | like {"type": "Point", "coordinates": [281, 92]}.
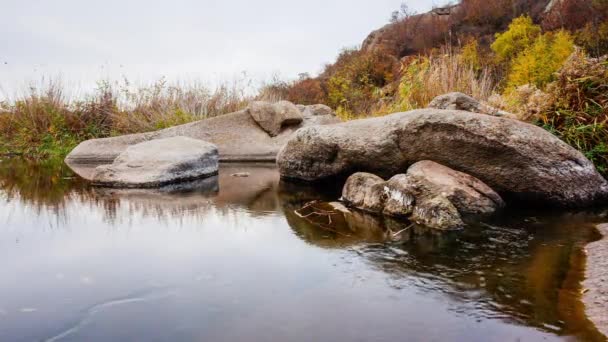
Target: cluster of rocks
{"type": "Point", "coordinates": [194, 150]}
{"type": "Point", "coordinates": [442, 163]}
{"type": "Point", "coordinates": [524, 163]}
{"type": "Point", "coordinates": [429, 194]}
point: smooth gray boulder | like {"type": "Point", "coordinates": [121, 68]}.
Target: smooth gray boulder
{"type": "Point", "coordinates": [238, 136]}
{"type": "Point", "coordinates": [520, 161]}
{"type": "Point", "coordinates": [272, 117]}
{"type": "Point", "coordinates": [159, 162]}
{"type": "Point", "coordinates": [460, 101]}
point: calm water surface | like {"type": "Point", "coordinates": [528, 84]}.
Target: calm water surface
{"type": "Point", "coordinates": [238, 259]}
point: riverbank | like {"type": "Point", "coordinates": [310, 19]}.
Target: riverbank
{"type": "Point", "coordinates": [596, 281]}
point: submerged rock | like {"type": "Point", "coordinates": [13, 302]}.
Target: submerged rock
{"type": "Point", "coordinates": [460, 101]}
{"type": "Point", "coordinates": [437, 213]}
{"type": "Point", "coordinates": [159, 162]}
{"type": "Point", "coordinates": [238, 137]}
{"type": "Point", "coordinates": [516, 159]}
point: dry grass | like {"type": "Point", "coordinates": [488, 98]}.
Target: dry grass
{"type": "Point", "coordinates": [425, 78]}
{"type": "Point", "coordinates": [45, 122]}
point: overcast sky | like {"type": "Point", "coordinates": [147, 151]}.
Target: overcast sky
{"type": "Point", "coordinates": [206, 40]}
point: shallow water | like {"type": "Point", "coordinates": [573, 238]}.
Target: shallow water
{"type": "Point", "coordinates": [238, 259]}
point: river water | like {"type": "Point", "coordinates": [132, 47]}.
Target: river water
{"type": "Point", "coordinates": [238, 259]}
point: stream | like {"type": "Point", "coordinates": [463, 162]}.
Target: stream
{"type": "Point", "coordinates": [234, 258]}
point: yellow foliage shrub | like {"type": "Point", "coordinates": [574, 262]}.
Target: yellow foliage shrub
{"type": "Point", "coordinates": [521, 34]}
{"type": "Point", "coordinates": [538, 63]}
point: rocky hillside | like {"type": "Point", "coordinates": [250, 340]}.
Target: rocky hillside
{"type": "Point", "coordinates": [410, 34]}
{"type": "Point", "coordinates": [379, 61]}
{"type": "Point", "coordinates": [542, 60]}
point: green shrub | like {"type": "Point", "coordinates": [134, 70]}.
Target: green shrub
{"type": "Point", "coordinates": [579, 110]}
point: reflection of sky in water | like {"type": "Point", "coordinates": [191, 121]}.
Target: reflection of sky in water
{"type": "Point", "coordinates": [227, 266]}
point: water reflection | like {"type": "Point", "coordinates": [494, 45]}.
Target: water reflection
{"type": "Point", "coordinates": [273, 270]}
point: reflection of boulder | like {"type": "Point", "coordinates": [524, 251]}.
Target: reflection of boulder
{"type": "Point", "coordinates": [174, 200]}
{"type": "Point", "coordinates": [322, 225]}
{"type": "Point", "coordinates": [256, 193]}
{"type": "Point", "coordinates": [238, 136]}
{"type": "Point", "coordinates": [505, 269]}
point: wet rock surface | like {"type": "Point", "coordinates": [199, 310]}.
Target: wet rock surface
{"type": "Point", "coordinates": [522, 162]}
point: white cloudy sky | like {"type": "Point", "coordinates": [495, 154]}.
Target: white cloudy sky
{"type": "Point", "coordinates": [82, 41]}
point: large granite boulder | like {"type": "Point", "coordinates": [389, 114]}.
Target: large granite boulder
{"type": "Point", "coordinates": [272, 117]}
{"type": "Point", "coordinates": [238, 136]}
{"type": "Point", "coordinates": [522, 162]}
{"type": "Point", "coordinates": [159, 162]}
{"type": "Point", "coordinates": [460, 101]}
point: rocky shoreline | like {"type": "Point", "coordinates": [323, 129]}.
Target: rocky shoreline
{"type": "Point", "coordinates": [595, 284]}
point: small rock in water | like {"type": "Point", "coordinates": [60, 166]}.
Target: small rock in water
{"type": "Point", "coordinates": [241, 174]}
